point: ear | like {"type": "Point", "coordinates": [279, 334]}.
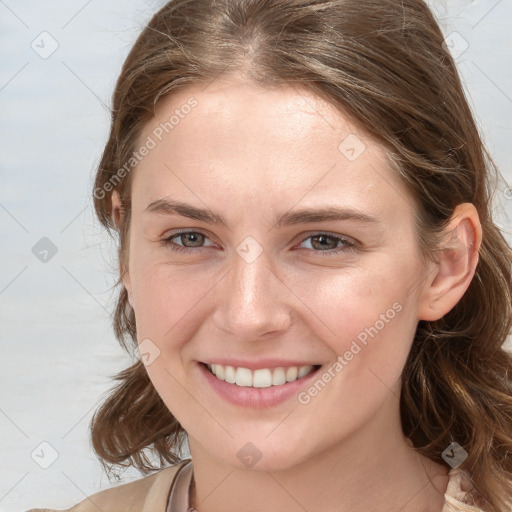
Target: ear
{"type": "Point", "coordinates": [449, 278]}
{"type": "Point", "coordinates": [117, 209]}
{"type": "Point", "coordinates": [117, 218]}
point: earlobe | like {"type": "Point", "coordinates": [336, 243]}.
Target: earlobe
{"type": "Point", "coordinates": [127, 284]}
{"type": "Point", "coordinates": [117, 218]}
{"type": "Point", "coordinates": [130, 297]}
{"type": "Point", "coordinates": [117, 209]}
{"type": "Point", "coordinates": [456, 264]}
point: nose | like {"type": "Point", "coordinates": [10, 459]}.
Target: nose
{"type": "Point", "coordinates": [253, 300]}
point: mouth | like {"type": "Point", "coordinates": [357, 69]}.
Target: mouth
{"type": "Point", "coordinates": [258, 388]}
{"type": "Point", "coordinates": [260, 378]}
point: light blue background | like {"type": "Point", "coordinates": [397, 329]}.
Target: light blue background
{"type": "Point", "coordinates": [57, 346]}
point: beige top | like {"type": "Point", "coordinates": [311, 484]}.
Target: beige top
{"type": "Point", "coordinates": [168, 491]}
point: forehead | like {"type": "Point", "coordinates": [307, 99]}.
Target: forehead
{"type": "Point", "coordinates": [233, 110]}
{"type": "Point", "coordinates": [269, 146]}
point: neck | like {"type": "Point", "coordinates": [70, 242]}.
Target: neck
{"type": "Point", "coordinates": [375, 469]}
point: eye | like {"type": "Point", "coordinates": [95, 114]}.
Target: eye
{"type": "Point", "coordinates": [329, 244]}
{"type": "Point", "coordinates": [186, 241]}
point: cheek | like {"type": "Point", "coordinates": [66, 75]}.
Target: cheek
{"type": "Point", "coordinates": [357, 303]}
{"type": "Point", "coordinates": [371, 341]}
{"type": "Point", "coordinates": [171, 305]}
{"type": "Point", "coordinates": [169, 300]}
{"type": "Point", "coordinates": [169, 311]}
{"type": "Point", "coordinates": [368, 320]}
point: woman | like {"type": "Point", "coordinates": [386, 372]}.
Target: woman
{"type": "Point", "coordinates": [308, 266]}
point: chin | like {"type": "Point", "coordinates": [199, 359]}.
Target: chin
{"type": "Point", "coordinates": [265, 456]}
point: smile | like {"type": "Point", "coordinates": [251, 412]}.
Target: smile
{"type": "Point", "coordinates": [261, 378]}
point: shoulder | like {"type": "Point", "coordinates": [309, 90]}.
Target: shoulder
{"type": "Point", "coordinates": [460, 494]}
{"type": "Point", "coordinates": [148, 494]}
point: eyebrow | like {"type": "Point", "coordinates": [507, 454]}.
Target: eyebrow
{"type": "Point", "coordinates": [304, 216]}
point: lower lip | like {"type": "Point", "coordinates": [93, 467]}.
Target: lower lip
{"type": "Point", "coordinates": [257, 398]}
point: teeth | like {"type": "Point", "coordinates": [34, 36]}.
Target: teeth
{"type": "Point", "coordinates": [278, 377]}
{"type": "Point", "coordinates": [262, 378]}
{"type": "Point", "coordinates": [303, 371]}
{"type": "Point", "coordinates": [291, 374]}
{"type": "Point", "coordinates": [243, 376]}
{"type": "Point", "coordinates": [229, 374]}
{"type": "Point", "coordinates": [219, 371]}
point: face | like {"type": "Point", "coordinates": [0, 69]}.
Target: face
{"type": "Point", "coordinates": [270, 235]}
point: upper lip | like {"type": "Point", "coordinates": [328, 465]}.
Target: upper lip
{"type": "Point", "coordinates": [260, 363]}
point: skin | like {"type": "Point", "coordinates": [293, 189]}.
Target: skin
{"type": "Point", "coordinates": [251, 154]}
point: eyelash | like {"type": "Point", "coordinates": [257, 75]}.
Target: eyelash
{"type": "Point", "coordinates": [348, 247]}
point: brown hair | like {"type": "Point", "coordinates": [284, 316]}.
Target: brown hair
{"type": "Point", "coordinates": [382, 62]}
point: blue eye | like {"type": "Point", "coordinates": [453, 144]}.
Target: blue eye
{"type": "Point", "coordinates": [326, 244]}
